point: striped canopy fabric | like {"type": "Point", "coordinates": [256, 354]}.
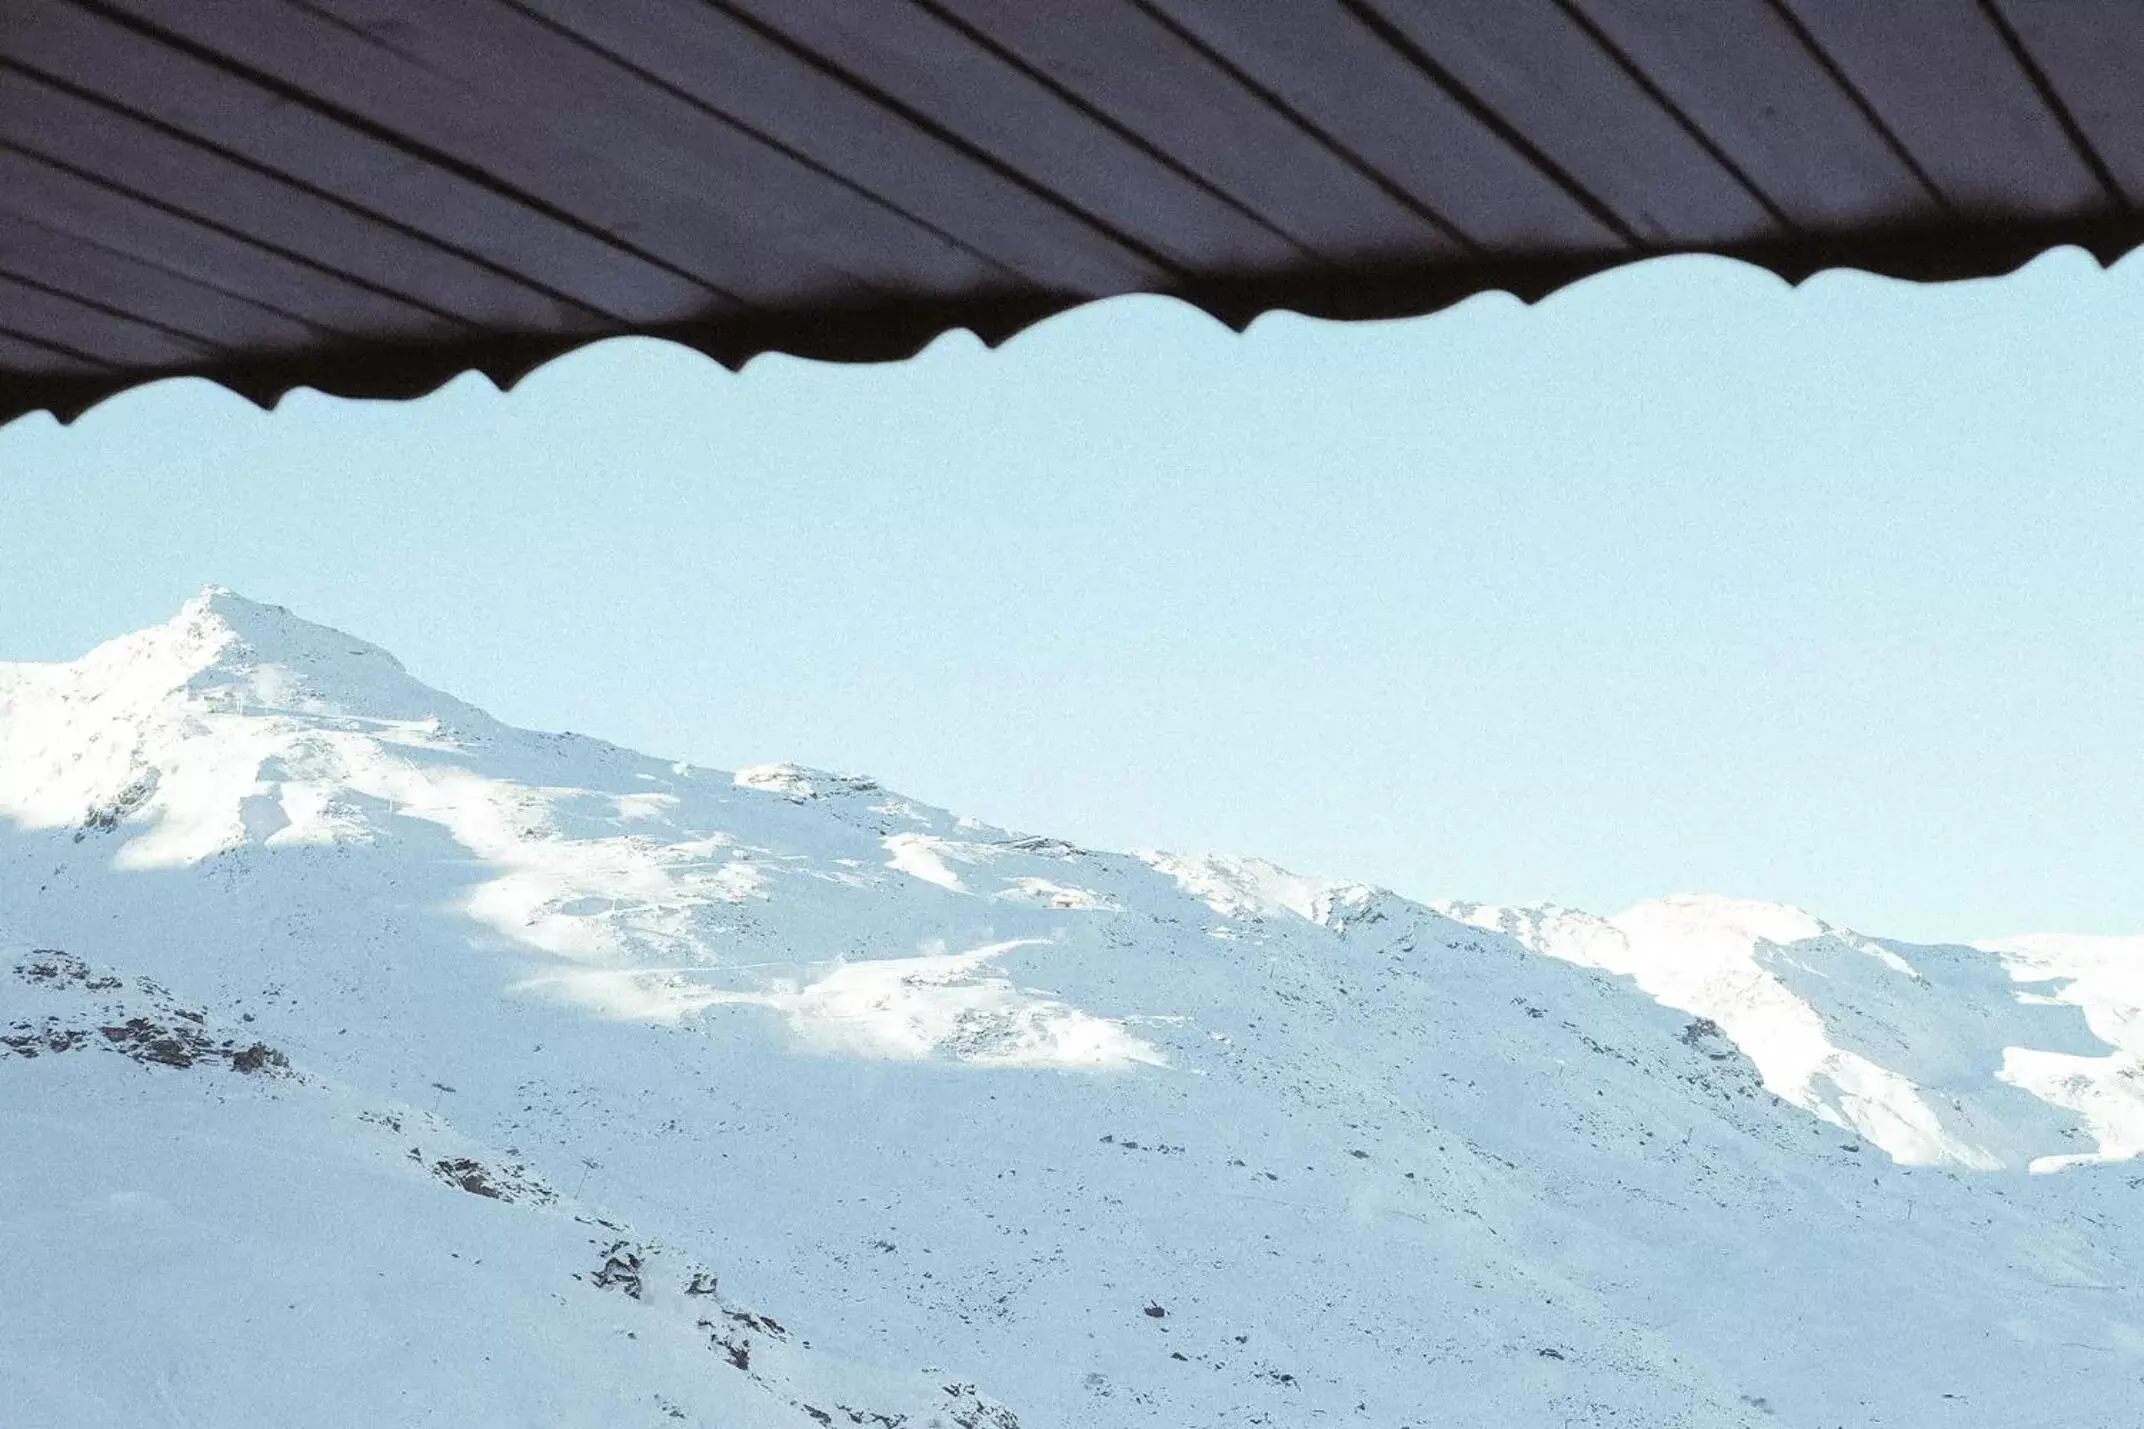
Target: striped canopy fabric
{"type": "Point", "coordinates": [369, 197]}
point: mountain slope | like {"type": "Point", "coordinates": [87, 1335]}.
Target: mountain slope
{"type": "Point", "coordinates": [2020, 1053]}
{"type": "Point", "coordinates": [986, 1118]}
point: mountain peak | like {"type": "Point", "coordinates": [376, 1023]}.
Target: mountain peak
{"type": "Point", "coordinates": [221, 630]}
{"type": "Point", "coordinates": [221, 652]}
{"type": "Point", "coordinates": [220, 686]}
{"type": "Point", "coordinates": [222, 605]}
{"type": "Point", "coordinates": [223, 600]}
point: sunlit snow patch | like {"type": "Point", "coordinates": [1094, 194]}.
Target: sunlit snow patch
{"type": "Point", "coordinates": [947, 1005]}
{"type": "Point", "coordinates": [1051, 894]}
{"type": "Point", "coordinates": [921, 856]}
{"type": "Point", "coordinates": [2103, 976]}
{"type": "Point", "coordinates": [934, 1005]}
{"type": "Point", "coordinates": [1245, 887]}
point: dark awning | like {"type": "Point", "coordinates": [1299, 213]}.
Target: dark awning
{"type": "Point", "coordinates": [370, 196]}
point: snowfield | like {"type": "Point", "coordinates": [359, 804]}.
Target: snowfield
{"type": "Point", "coordinates": [364, 1061]}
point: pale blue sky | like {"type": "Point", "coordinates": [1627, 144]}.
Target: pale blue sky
{"type": "Point", "coordinates": [1679, 580]}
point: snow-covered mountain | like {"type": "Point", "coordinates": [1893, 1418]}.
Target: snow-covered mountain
{"type": "Point", "coordinates": [365, 1061]}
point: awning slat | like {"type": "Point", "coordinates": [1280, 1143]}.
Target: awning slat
{"type": "Point", "coordinates": [2092, 51]}
{"type": "Point", "coordinates": [1743, 78]}
{"type": "Point", "coordinates": [98, 213]}
{"type": "Point", "coordinates": [1125, 65]}
{"type": "Point", "coordinates": [220, 108]}
{"type": "Point", "coordinates": [934, 72]}
{"type": "Point", "coordinates": [729, 64]}
{"type": "Point", "coordinates": [1943, 81]}
{"type": "Point", "coordinates": [94, 332]}
{"type": "Point", "coordinates": [1332, 70]}
{"type": "Point", "coordinates": [33, 355]}
{"type": "Point", "coordinates": [1544, 75]}
{"type": "Point", "coordinates": [487, 136]}
{"type": "Point", "coordinates": [75, 265]}
{"type": "Point", "coordinates": [124, 153]}
{"type": "Point", "coordinates": [772, 228]}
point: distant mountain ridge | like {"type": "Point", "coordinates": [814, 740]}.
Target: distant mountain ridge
{"type": "Point", "coordinates": [779, 1098]}
{"type": "Point", "coordinates": [2016, 1053]}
